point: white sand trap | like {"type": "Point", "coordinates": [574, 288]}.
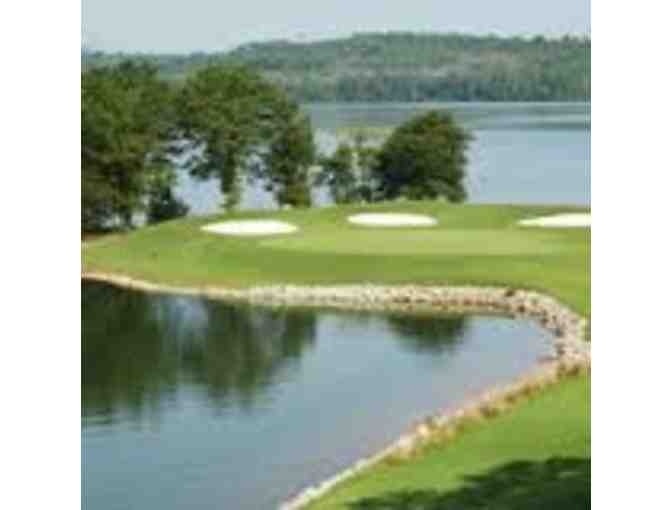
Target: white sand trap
{"type": "Point", "coordinates": [569, 220]}
{"type": "Point", "coordinates": [392, 220]}
{"type": "Point", "coordinates": [250, 228]}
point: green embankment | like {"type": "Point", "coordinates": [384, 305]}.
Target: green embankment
{"type": "Point", "coordinates": [535, 456]}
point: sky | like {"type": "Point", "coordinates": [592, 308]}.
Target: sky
{"type": "Point", "coordinates": [183, 26]}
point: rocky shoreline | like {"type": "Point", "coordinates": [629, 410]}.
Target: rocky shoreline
{"type": "Point", "coordinates": [572, 351]}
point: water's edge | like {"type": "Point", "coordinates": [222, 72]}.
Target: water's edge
{"type": "Point", "coordinates": [568, 328]}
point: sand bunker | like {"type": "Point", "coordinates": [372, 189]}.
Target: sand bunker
{"type": "Point", "coordinates": [392, 220]}
{"type": "Point", "coordinates": [250, 228]}
{"type": "Point", "coordinates": [569, 220]}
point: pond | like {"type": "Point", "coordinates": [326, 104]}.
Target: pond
{"type": "Point", "coordinates": [522, 153]}
{"type": "Point", "coordinates": [200, 404]}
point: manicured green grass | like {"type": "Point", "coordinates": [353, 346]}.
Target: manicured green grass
{"type": "Point", "coordinates": [535, 457]}
{"type": "Point", "coordinates": [472, 245]}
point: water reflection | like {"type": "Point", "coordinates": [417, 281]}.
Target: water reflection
{"type": "Point", "coordinates": [138, 348]}
{"type": "Point", "coordinates": [190, 403]}
{"type": "Point", "coordinates": [429, 335]}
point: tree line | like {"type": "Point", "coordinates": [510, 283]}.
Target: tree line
{"type": "Point", "coordinates": [224, 122]}
{"type": "Point", "coordinates": [403, 67]}
{"type": "Point", "coordinates": [232, 124]}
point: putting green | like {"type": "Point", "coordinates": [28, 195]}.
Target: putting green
{"type": "Point", "coordinates": [423, 242]}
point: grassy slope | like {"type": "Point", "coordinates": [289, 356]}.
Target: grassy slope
{"type": "Point", "coordinates": [537, 456]}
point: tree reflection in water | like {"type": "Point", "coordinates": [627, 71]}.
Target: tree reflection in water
{"type": "Point", "coordinates": [137, 347]}
{"type": "Point", "coordinates": [429, 334]}
{"type": "Point", "coordinates": [139, 350]}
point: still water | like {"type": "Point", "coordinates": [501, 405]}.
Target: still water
{"type": "Point", "coordinates": [192, 403]}
{"type": "Point", "coordinates": [522, 153]}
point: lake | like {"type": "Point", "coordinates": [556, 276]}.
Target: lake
{"type": "Point", "coordinates": [522, 153]}
{"type": "Point", "coordinates": [200, 404]}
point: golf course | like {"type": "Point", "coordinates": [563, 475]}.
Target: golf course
{"type": "Point", "coordinates": [534, 455]}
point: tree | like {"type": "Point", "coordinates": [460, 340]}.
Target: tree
{"type": "Point", "coordinates": [288, 161]}
{"type": "Point", "coordinates": [424, 158]}
{"type": "Point", "coordinates": [229, 121]}
{"type": "Point", "coordinates": [164, 206]}
{"type": "Point", "coordinates": [127, 126]}
{"type": "Point", "coordinates": [229, 116]}
{"type": "Point", "coordinates": [404, 67]}
{"type": "Point", "coordinates": [162, 203]}
{"type": "Point", "coordinates": [348, 171]}
{"type": "Point", "coordinates": [366, 159]}
{"type": "Point", "coordinates": [338, 175]}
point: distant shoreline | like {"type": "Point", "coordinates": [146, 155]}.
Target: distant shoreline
{"type": "Point", "coordinates": [400, 66]}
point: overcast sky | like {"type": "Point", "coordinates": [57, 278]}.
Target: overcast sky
{"type": "Point", "coordinates": [210, 25]}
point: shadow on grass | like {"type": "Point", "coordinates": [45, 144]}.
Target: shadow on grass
{"type": "Point", "coordinates": [559, 483]}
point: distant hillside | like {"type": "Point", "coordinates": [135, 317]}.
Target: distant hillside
{"type": "Point", "coordinates": [406, 67]}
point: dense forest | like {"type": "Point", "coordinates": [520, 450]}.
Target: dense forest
{"type": "Point", "coordinates": [401, 67]}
